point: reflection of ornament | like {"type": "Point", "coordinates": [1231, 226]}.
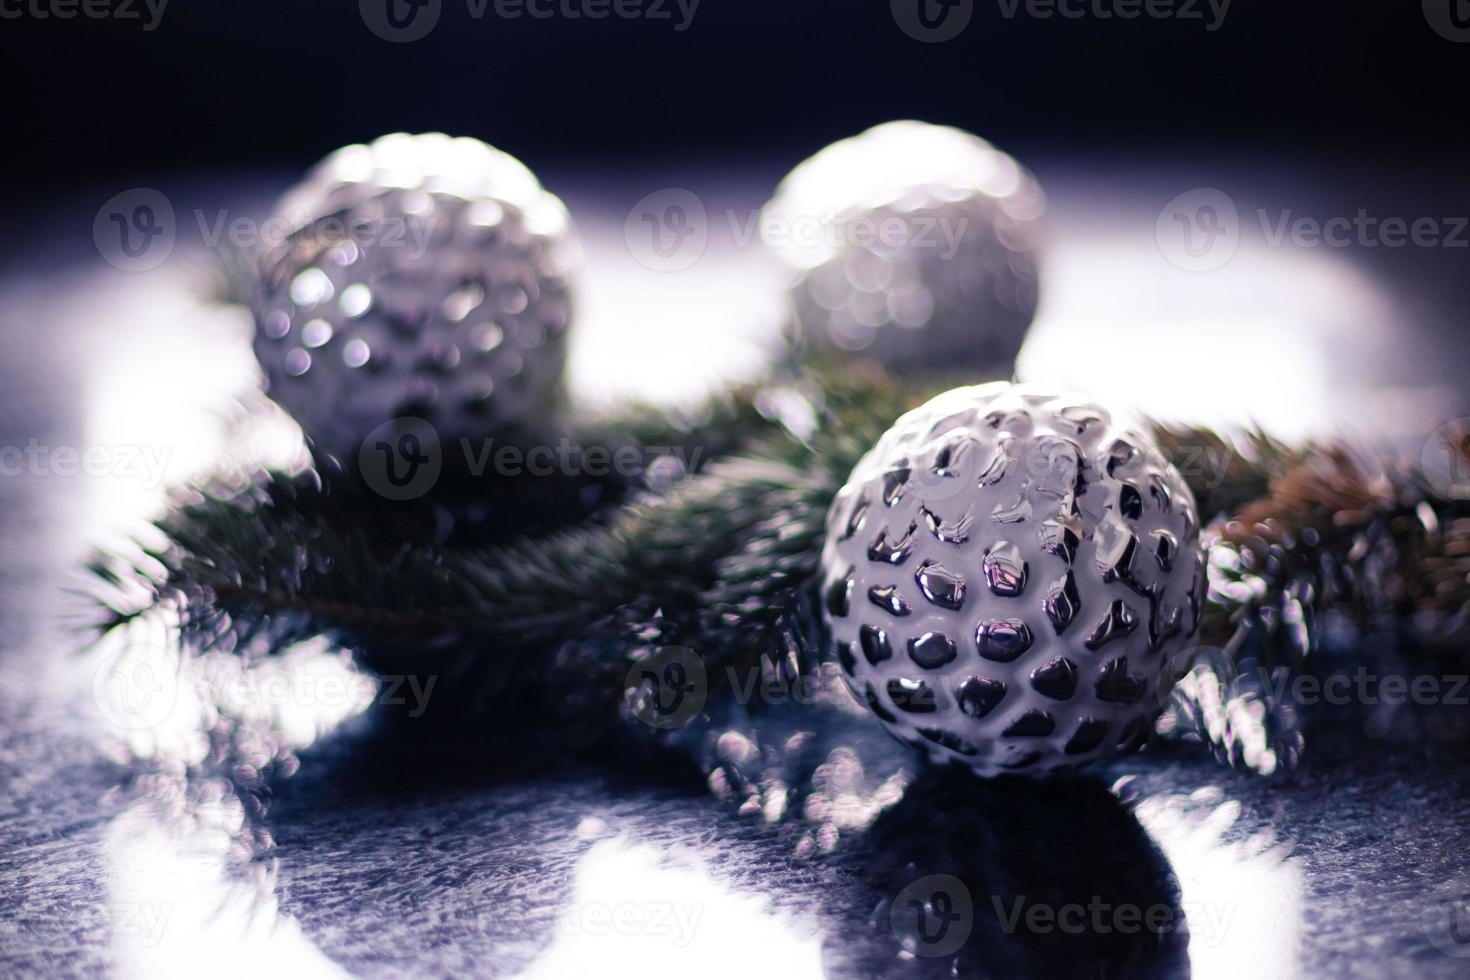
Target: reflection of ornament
{"type": "Point", "coordinates": [1006, 576]}
{"type": "Point", "coordinates": [420, 276]}
{"type": "Point", "coordinates": [916, 243]}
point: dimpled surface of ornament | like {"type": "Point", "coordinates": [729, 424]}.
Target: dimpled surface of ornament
{"type": "Point", "coordinates": [422, 276]}
{"type": "Point", "coordinates": [911, 242]}
{"type": "Point", "coordinates": [1006, 576]}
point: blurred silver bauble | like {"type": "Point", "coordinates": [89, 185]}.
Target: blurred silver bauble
{"type": "Point", "coordinates": [912, 242]}
{"type": "Point", "coordinates": [1007, 576]}
{"type": "Point", "coordinates": [422, 276]}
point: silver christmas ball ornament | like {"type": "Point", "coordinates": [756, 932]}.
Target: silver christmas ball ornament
{"type": "Point", "coordinates": [1007, 577]}
{"type": "Point", "coordinates": [911, 242]}
{"type": "Point", "coordinates": [423, 276]}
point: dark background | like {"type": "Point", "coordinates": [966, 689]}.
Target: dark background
{"type": "Point", "coordinates": [394, 859]}
{"type": "Point", "coordinates": [225, 86]}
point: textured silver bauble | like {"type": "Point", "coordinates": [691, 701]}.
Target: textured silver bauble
{"type": "Point", "coordinates": [1007, 576]}
{"type": "Point", "coordinates": [422, 276]}
{"type": "Point", "coordinates": [912, 242]}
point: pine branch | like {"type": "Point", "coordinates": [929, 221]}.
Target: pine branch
{"type": "Point", "coordinates": [723, 561]}
{"type": "Point", "coordinates": [1225, 473]}
{"type": "Point", "coordinates": [228, 274]}
{"type": "Point", "coordinates": [1327, 528]}
{"type": "Point", "coordinates": [1346, 533]}
{"type": "Point", "coordinates": [1335, 536]}
{"type": "Point", "coordinates": [719, 554]}
{"type": "Point", "coordinates": [323, 547]}
{"type": "Point", "coordinates": [1229, 703]}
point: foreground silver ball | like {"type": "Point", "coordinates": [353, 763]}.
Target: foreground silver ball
{"type": "Point", "coordinates": [422, 276]}
{"type": "Point", "coordinates": [911, 242]}
{"type": "Point", "coordinates": [1007, 576]}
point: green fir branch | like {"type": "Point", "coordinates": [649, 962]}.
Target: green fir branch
{"type": "Point", "coordinates": [723, 561]}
